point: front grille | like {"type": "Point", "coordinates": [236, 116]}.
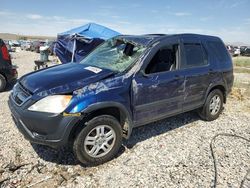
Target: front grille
{"type": "Point", "coordinates": [20, 94]}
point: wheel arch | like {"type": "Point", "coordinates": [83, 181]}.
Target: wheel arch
{"type": "Point", "coordinates": [114, 109]}
{"type": "Point", "coordinates": [220, 87]}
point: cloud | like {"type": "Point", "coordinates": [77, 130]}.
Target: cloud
{"type": "Point", "coordinates": [177, 29]}
{"type": "Point", "coordinates": [233, 35]}
{"type": "Point", "coordinates": [228, 4]}
{"type": "Point", "coordinates": [115, 16]}
{"type": "Point", "coordinates": [182, 14]}
{"type": "Point", "coordinates": [237, 3]}
{"type": "Point", "coordinates": [135, 5]}
{"type": "Point", "coordinates": [53, 24]}
{"type": "Point", "coordinates": [35, 24]}
{"type": "Point", "coordinates": [155, 11]}
{"type": "Point", "coordinates": [107, 7]}
{"type": "Point", "coordinates": [58, 18]}
{"type": "Point", "coordinates": [247, 21]}
{"type": "Point", "coordinates": [124, 22]}
{"type": "Point", "coordinates": [5, 13]}
{"type": "Point", "coordinates": [207, 18]}
{"type": "Point", "coordinates": [34, 16]}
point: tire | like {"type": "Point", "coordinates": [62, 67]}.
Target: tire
{"type": "Point", "coordinates": [86, 153]}
{"type": "Point", "coordinates": [209, 111]}
{"type": "Point", "coordinates": [2, 83]}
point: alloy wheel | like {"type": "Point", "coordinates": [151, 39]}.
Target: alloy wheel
{"type": "Point", "coordinates": [99, 141]}
{"type": "Point", "coordinates": [215, 105]}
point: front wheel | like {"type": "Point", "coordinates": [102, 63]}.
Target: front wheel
{"type": "Point", "coordinates": [213, 106]}
{"type": "Point", "coordinates": [99, 141]}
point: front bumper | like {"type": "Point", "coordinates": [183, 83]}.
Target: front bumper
{"type": "Point", "coordinates": [42, 128]}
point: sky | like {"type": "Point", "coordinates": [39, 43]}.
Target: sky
{"type": "Point", "coordinates": [228, 19]}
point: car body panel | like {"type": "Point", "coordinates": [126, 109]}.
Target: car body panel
{"type": "Point", "coordinates": [66, 78]}
{"type": "Point", "coordinates": [156, 95]}
{"type": "Point", "coordinates": [196, 78]}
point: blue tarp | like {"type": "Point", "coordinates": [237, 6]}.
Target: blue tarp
{"type": "Point", "coordinates": [75, 44]}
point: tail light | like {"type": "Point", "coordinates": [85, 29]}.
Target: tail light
{"type": "Point", "coordinates": [5, 53]}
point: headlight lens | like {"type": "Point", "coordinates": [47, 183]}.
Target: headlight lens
{"type": "Point", "coordinates": [51, 104]}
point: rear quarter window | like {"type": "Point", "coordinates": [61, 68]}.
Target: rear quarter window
{"type": "Point", "coordinates": [219, 50]}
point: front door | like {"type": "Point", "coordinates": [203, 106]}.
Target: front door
{"type": "Point", "coordinates": [158, 89]}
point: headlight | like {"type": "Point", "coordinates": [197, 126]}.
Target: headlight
{"type": "Point", "coordinates": [51, 104]}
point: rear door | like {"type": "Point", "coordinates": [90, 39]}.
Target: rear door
{"type": "Point", "coordinates": [197, 72]}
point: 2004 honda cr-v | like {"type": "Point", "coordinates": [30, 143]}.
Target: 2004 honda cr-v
{"type": "Point", "coordinates": [126, 82]}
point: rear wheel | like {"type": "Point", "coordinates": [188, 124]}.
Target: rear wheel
{"type": "Point", "coordinates": [213, 106]}
{"type": "Point", "coordinates": [2, 83]}
{"type": "Point", "coordinates": [99, 141]}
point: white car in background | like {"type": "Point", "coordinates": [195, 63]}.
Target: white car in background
{"type": "Point", "coordinates": [25, 45]}
{"type": "Point", "coordinates": [233, 50]}
{"type": "Point", "coordinates": [236, 51]}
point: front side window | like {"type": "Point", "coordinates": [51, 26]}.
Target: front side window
{"type": "Point", "coordinates": [164, 60]}
{"type": "Point", "coordinates": [195, 55]}
{"type": "Point", "coordinates": [114, 54]}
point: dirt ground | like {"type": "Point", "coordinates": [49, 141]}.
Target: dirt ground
{"type": "Point", "coordinates": [174, 152]}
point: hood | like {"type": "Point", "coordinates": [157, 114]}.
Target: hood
{"type": "Point", "coordinates": [63, 78]}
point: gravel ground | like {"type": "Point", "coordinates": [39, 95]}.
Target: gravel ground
{"type": "Point", "coordinates": [174, 152]}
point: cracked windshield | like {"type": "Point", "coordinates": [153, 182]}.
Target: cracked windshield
{"type": "Point", "coordinates": [116, 55]}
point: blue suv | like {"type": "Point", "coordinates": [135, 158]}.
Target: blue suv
{"type": "Point", "coordinates": [126, 82]}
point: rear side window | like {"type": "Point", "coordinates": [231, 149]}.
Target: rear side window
{"type": "Point", "coordinates": [195, 55]}
{"type": "Point", "coordinates": [219, 49]}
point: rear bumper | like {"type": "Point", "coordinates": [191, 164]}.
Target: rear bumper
{"type": "Point", "coordinates": [43, 128]}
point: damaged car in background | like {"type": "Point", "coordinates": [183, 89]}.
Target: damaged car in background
{"type": "Point", "coordinates": [126, 82]}
{"type": "Point", "coordinates": [8, 72]}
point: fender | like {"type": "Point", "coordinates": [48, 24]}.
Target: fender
{"type": "Point", "coordinates": [128, 126]}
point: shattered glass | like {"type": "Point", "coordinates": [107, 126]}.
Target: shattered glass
{"type": "Point", "coordinates": [114, 54]}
